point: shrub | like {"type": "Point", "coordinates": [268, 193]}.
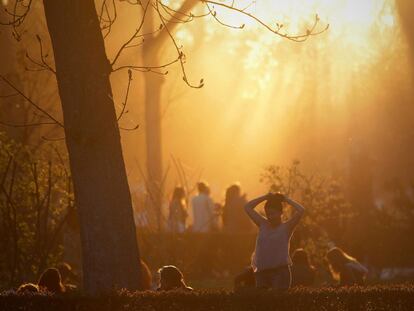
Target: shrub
{"type": "Point", "coordinates": [399, 297]}
{"type": "Point", "coordinates": [35, 202]}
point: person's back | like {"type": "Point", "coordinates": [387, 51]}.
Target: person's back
{"type": "Point", "coordinates": [202, 209]}
{"type": "Point", "coordinates": [177, 211]}
{"type": "Point", "coordinates": [303, 273]}
{"type": "Point", "coordinates": [51, 281]}
{"type": "Point", "coordinates": [234, 219]}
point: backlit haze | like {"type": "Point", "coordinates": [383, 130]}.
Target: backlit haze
{"type": "Point", "coordinates": [267, 100]}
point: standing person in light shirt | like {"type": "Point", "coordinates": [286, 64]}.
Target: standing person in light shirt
{"type": "Point", "coordinates": [271, 262]}
{"type": "Point", "coordinates": [203, 209]}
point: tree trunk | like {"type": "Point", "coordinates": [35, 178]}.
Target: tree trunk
{"type": "Point", "coordinates": [153, 93]}
{"type": "Point", "coordinates": [153, 48]}
{"type": "Point", "coordinates": [405, 9]}
{"type": "Point", "coordinates": [109, 247]}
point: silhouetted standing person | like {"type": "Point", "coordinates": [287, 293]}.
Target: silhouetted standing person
{"type": "Point", "coordinates": [303, 273]}
{"type": "Point", "coordinates": [234, 219]}
{"type": "Point", "coordinates": [177, 210]}
{"type": "Point", "coordinates": [271, 261]}
{"type": "Point", "coordinates": [346, 269]}
{"type": "Point", "coordinates": [203, 209]}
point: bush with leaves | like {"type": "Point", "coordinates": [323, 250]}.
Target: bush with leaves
{"type": "Point", "coordinates": [35, 202]}
{"type": "Point", "coordinates": [398, 297]}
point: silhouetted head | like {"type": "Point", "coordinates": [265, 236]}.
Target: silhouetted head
{"type": "Point", "coordinates": [171, 278]}
{"type": "Point", "coordinates": [178, 194]}
{"type": "Point", "coordinates": [300, 257]}
{"type": "Point", "coordinates": [232, 192]}
{"type": "Point", "coordinates": [203, 187]}
{"type": "Point", "coordinates": [28, 288]}
{"type": "Point", "coordinates": [337, 259]}
{"type": "Point", "coordinates": [274, 208]}
{"type": "Point", "coordinates": [51, 281]}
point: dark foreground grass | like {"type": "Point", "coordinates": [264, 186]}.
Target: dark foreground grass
{"type": "Point", "coordinates": [396, 297]}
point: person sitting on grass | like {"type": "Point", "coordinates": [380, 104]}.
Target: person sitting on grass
{"type": "Point", "coordinates": [245, 280]}
{"type": "Point", "coordinates": [271, 261]}
{"type": "Point", "coordinates": [28, 288]}
{"type": "Point", "coordinates": [51, 281]}
{"type": "Point", "coordinates": [303, 273]}
{"type": "Point", "coordinates": [345, 269]}
{"type": "Point", "coordinates": [171, 278]}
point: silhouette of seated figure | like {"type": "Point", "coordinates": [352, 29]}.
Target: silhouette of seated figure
{"type": "Point", "coordinates": [303, 273]}
{"type": "Point", "coordinates": [51, 281]}
{"type": "Point", "coordinates": [171, 278]}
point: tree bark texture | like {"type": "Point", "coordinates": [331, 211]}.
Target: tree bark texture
{"type": "Point", "coordinates": [109, 249]}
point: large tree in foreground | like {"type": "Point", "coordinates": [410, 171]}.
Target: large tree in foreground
{"type": "Point", "coordinates": [109, 248]}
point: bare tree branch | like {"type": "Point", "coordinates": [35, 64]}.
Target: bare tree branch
{"type": "Point", "coordinates": [134, 36]}
{"type": "Point", "coordinates": [36, 106]}
{"type": "Point", "coordinates": [126, 96]}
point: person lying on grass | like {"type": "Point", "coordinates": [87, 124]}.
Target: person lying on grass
{"type": "Point", "coordinates": [271, 261]}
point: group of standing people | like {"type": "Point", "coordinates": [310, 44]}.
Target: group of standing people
{"type": "Point", "coordinates": [208, 216]}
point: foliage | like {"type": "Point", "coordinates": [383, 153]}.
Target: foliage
{"type": "Point", "coordinates": [398, 297]}
{"type": "Point", "coordinates": [35, 201]}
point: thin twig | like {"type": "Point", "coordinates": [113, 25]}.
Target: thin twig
{"type": "Point", "coordinates": [30, 101]}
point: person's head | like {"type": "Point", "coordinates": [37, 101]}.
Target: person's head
{"type": "Point", "coordinates": [146, 277]}
{"type": "Point", "coordinates": [28, 288]}
{"type": "Point", "coordinates": [178, 194]}
{"type": "Point", "coordinates": [300, 257]}
{"type": "Point", "coordinates": [232, 192]}
{"type": "Point", "coordinates": [274, 208]}
{"type": "Point", "coordinates": [203, 187]}
{"type": "Point", "coordinates": [171, 278]}
{"type": "Point", "coordinates": [51, 281]}
{"type": "Point", "coordinates": [337, 259]}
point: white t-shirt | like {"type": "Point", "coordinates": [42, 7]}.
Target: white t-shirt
{"type": "Point", "coordinates": [272, 245]}
{"type": "Point", "coordinates": [203, 207]}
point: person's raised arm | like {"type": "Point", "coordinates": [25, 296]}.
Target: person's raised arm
{"type": "Point", "coordinates": [297, 215]}
{"type": "Point", "coordinates": [250, 206]}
